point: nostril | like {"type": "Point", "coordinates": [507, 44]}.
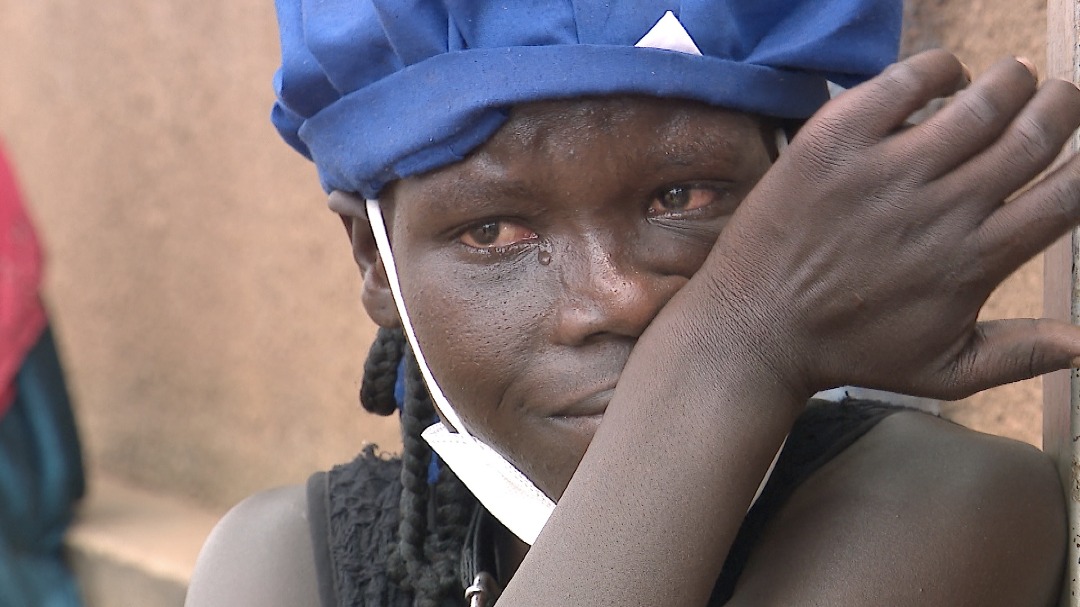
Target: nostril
{"type": "Point", "coordinates": [622, 305]}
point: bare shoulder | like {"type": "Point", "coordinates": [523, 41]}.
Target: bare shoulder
{"type": "Point", "coordinates": [919, 511]}
{"type": "Point", "coordinates": [260, 554]}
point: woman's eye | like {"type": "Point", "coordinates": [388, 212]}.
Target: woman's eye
{"type": "Point", "coordinates": [680, 199]}
{"type": "Point", "coordinates": [496, 235]}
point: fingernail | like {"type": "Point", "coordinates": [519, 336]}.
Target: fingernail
{"type": "Point", "coordinates": [967, 71]}
{"type": "Point", "coordinates": [1030, 66]}
{"type": "Point", "coordinates": [1075, 364]}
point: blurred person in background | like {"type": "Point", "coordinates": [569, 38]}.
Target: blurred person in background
{"type": "Point", "coordinates": [41, 471]}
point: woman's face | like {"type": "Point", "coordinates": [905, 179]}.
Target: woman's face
{"type": "Point", "coordinates": [531, 268]}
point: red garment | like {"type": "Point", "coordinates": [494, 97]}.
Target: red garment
{"type": "Point", "coordinates": [22, 317]}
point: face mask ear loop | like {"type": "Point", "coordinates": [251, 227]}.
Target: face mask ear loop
{"type": "Point", "coordinates": [382, 242]}
{"type": "Point", "coordinates": [781, 141]}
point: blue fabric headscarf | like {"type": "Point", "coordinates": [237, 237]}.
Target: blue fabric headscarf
{"type": "Point", "coordinates": [376, 90]}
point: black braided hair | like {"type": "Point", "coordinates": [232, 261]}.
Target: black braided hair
{"type": "Point", "coordinates": [380, 372]}
{"type": "Point", "coordinates": [433, 520]}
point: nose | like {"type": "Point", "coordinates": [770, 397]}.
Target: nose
{"type": "Point", "coordinates": [608, 290]}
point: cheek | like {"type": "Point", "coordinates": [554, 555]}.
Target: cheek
{"type": "Point", "coordinates": [480, 326]}
{"type": "Point", "coordinates": [483, 329]}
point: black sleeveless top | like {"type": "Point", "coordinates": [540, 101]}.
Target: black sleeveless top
{"type": "Point", "coordinates": [353, 508]}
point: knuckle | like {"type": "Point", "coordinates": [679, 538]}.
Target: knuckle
{"type": "Point", "coordinates": [902, 84]}
{"type": "Point", "coordinates": [921, 73]}
{"type": "Point", "coordinates": [1032, 140]}
{"type": "Point", "coordinates": [900, 75]}
{"type": "Point", "coordinates": [980, 107]}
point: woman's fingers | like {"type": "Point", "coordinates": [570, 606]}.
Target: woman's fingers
{"type": "Point", "coordinates": [1025, 149]}
{"type": "Point", "coordinates": [1019, 230]}
{"type": "Point", "coordinates": [973, 120]}
{"type": "Point", "coordinates": [873, 110]}
{"type": "Point", "coordinates": [1005, 351]}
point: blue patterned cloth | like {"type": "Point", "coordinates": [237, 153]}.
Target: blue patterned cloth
{"type": "Point", "coordinates": [375, 90]}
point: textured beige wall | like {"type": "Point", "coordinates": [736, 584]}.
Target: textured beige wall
{"type": "Point", "coordinates": [204, 298]}
{"type": "Point", "coordinates": [203, 294]}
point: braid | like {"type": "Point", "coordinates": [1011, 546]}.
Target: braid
{"type": "Point", "coordinates": [454, 505]}
{"type": "Point", "coordinates": [427, 560]}
{"type": "Point", "coordinates": [380, 372]}
{"type": "Point", "coordinates": [409, 566]}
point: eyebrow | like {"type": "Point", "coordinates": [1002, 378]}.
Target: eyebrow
{"type": "Point", "coordinates": [679, 148]}
{"type": "Point", "coordinates": [467, 193]}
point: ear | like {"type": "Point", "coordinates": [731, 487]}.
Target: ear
{"type": "Point", "coordinates": [376, 296]}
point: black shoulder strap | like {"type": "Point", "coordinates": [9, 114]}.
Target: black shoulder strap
{"type": "Point", "coordinates": [319, 525]}
{"type": "Point", "coordinates": [821, 433]}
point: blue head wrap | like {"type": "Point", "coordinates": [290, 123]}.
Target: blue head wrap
{"type": "Point", "coordinates": [376, 90]}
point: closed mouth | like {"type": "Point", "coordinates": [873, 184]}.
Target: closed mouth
{"type": "Point", "coordinates": [593, 405]}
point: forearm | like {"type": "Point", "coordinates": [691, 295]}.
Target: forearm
{"type": "Point", "coordinates": [658, 498]}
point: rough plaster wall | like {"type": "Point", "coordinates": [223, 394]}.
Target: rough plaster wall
{"type": "Point", "coordinates": [204, 297]}
{"type": "Point", "coordinates": [981, 32]}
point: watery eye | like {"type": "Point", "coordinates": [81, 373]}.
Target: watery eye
{"type": "Point", "coordinates": [496, 234]}
{"type": "Point", "coordinates": [680, 199]}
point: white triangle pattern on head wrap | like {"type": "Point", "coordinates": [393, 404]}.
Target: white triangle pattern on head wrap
{"type": "Point", "coordinates": [669, 34]}
{"type": "Point", "coordinates": [505, 491]}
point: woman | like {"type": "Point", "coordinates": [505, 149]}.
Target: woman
{"type": "Point", "coordinates": [620, 288]}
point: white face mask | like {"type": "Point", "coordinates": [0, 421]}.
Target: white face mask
{"type": "Point", "coordinates": [504, 490]}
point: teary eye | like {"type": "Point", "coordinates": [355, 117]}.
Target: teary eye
{"type": "Point", "coordinates": [681, 199]}
{"type": "Point", "coordinates": [495, 235]}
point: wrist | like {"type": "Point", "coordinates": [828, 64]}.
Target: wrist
{"type": "Point", "coordinates": [747, 334]}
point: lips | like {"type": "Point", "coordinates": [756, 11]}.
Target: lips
{"type": "Point", "coordinates": [593, 405]}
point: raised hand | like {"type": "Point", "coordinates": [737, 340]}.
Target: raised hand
{"type": "Point", "coordinates": [864, 255]}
